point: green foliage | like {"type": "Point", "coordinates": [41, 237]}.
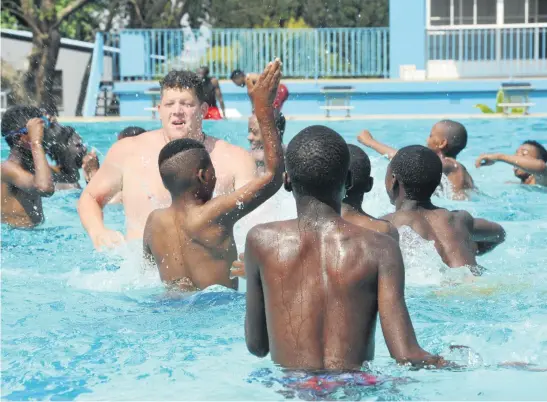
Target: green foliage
{"type": "Point", "coordinates": [8, 21]}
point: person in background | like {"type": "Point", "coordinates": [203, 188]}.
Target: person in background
{"type": "Point", "coordinates": [411, 179]}
{"type": "Point", "coordinates": [26, 175]}
{"type": "Point", "coordinates": [529, 162]}
{"type": "Point", "coordinates": [447, 139]}
{"type": "Point", "coordinates": [211, 87]}
{"type": "Point", "coordinates": [68, 152]}
{"type": "Point", "coordinates": [130, 131]}
{"type": "Point", "coordinates": [256, 140]}
{"type": "Point", "coordinates": [238, 77]}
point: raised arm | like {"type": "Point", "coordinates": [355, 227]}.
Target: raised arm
{"type": "Point", "coordinates": [218, 95]}
{"type": "Point", "coordinates": [396, 325]}
{"type": "Point", "coordinates": [231, 207]}
{"type": "Point", "coordinates": [526, 163]}
{"type": "Point", "coordinates": [104, 185]}
{"type": "Point", "coordinates": [256, 330]}
{"type": "Point", "coordinates": [487, 234]}
{"type": "Point", "coordinates": [367, 140]}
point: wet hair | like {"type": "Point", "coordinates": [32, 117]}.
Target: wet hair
{"type": "Point", "coordinates": [540, 148]}
{"type": "Point", "coordinates": [236, 73]}
{"type": "Point", "coordinates": [205, 70]}
{"type": "Point", "coordinates": [131, 131]}
{"type": "Point", "coordinates": [419, 169]}
{"type": "Point", "coordinates": [456, 137]}
{"type": "Point", "coordinates": [317, 161]}
{"type": "Point", "coordinates": [359, 167]}
{"type": "Point", "coordinates": [178, 160]}
{"type": "Point", "coordinates": [184, 79]}
{"type": "Point", "coordinates": [15, 118]}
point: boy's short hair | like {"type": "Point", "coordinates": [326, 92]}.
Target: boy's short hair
{"type": "Point", "coordinates": [359, 167]}
{"type": "Point", "coordinates": [184, 79]}
{"type": "Point", "coordinates": [419, 169]}
{"type": "Point", "coordinates": [178, 161]}
{"type": "Point", "coordinates": [15, 118]}
{"type": "Point", "coordinates": [540, 148]}
{"type": "Point", "coordinates": [456, 137]}
{"type": "Point", "coordinates": [236, 73]}
{"type": "Point", "coordinates": [317, 161]}
{"type": "Point", "coordinates": [131, 131]}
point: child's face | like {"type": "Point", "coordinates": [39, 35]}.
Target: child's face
{"type": "Point", "coordinates": [255, 140]}
{"type": "Point", "coordinates": [435, 139]}
{"type": "Point", "coordinates": [181, 112]}
{"type": "Point", "coordinates": [529, 151]}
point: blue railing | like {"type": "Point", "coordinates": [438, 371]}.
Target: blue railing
{"type": "Point", "coordinates": [95, 76]}
{"type": "Point", "coordinates": [492, 52]}
{"type": "Point", "coordinates": [306, 53]}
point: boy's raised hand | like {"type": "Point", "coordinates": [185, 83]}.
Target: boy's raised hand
{"type": "Point", "coordinates": [264, 91]}
{"type": "Point", "coordinates": [35, 128]}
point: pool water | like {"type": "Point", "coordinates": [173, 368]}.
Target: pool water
{"type": "Point", "coordinates": [77, 324]}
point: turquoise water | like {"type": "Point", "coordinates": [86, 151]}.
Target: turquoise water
{"type": "Point", "coordinates": [77, 324]}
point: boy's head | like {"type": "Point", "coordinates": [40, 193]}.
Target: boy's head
{"type": "Point", "coordinates": [130, 132]}
{"type": "Point", "coordinates": [182, 104]}
{"type": "Point", "coordinates": [359, 168]}
{"type": "Point", "coordinates": [414, 173]}
{"type": "Point", "coordinates": [184, 166]}
{"type": "Point", "coordinates": [255, 135]}
{"type": "Point", "coordinates": [14, 122]}
{"type": "Point", "coordinates": [238, 78]}
{"type": "Point", "coordinates": [69, 149]}
{"type": "Point", "coordinates": [531, 149]}
{"type": "Point", "coordinates": [203, 72]}
{"type": "Point", "coordinates": [447, 137]}
{"type": "Point", "coordinates": [317, 162]}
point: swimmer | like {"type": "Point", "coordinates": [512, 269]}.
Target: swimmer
{"type": "Point", "coordinates": [257, 143]}
{"type": "Point", "coordinates": [131, 164]}
{"type": "Point", "coordinates": [447, 139]}
{"type": "Point", "coordinates": [411, 179]}
{"type": "Point", "coordinates": [192, 241]}
{"type": "Point", "coordinates": [239, 78]}
{"type": "Point", "coordinates": [211, 87]}
{"type": "Point", "coordinates": [315, 284]}
{"type": "Point", "coordinates": [26, 175]}
{"type": "Point", "coordinates": [68, 152]}
{"type": "Point", "coordinates": [131, 131]}
{"type": "Point", "coordinates": [530, 162]}
{"type": "Point", "coordinates": [352, 204]}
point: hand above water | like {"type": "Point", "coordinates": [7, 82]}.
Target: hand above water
{"type": "Point", "coordinates": [365, 138]}
{"type": "Point", "coordinates": [486, 160]}
{"type": "Point", "coordinates": [238, 267]}
{"type": "Point", "coordinates": [107, 238]}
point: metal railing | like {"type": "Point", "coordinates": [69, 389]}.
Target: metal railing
{"type": "Point", "coordinates": [306, 53]}
{"type": "Point", "coordinates": [492, 52]}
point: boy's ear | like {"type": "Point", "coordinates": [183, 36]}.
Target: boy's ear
{"type": "Point", "coordinates": [349, 180]}
{"type": "Point", "coordinates": [201, 176]}
{"type": "Point", "coordinates": [369, 185]}
{"type": "Point", "coordinates": [287, 182]}
{"type": "Point", "coordinates": [443, 144]}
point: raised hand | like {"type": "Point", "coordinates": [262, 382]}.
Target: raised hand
{"type": "Point", "coordinates": [485, 160]}
{"type": "Point", "coordinates": [238, 267]}
{"type": "Point", "coordinates": [365, 137]}
{"type": "Point", "coordinates": [35, 128]}
{"type": "Point", "coordinates": [264, 91]}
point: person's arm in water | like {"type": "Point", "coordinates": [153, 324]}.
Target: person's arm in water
{"type": "Point", "coordinates": [231, 207]}
{"type": "Point", "coordinates": [488, 235]}
{"type": "Point", "coordinates": [41, 182]}
{"type": "Point", "coordinates": [256, 330]}
{"type": "Point", "coordinates": [526, 163]}
{"type": "Point", "coordinates": [396, 324]}
{"type": "Point", "coordinates": [367, 140]}
{"type": "Point", "coordinates": [218, 95]}
{"type": "Point", "coordinates": [106, 183]}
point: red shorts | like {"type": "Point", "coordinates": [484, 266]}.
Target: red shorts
{"type": "Point", "coordinates": [213, 114]}
{"type": "Point", "coordinates": [281, 97]}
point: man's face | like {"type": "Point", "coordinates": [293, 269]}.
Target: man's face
{"type": "Point", "coordinates": [435, 139]}
{"type": "Point", "coordinates": [202, 73]}
{"type": "Point", "coordinates": [76, 149]}
{"type": "Point", "coordinates": [529, 151]}
{"type": "Point", "coordinates": [181, 112]}
{"type": "Point", "coordinates": [239, 81]}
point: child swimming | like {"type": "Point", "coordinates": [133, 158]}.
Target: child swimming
{"type": "Point", "coordinates": [192, 241]}
{"type": "Point", "coordinates": [411, 179]}
{"type": "Point", "coordinates": [315, 284]}
{"type": "Point", "coordinates": [447, 139]}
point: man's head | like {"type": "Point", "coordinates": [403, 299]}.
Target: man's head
{"type": "Point", "coordinates": [203, 72]}
{"type": "Point", "coordinates": [69, 149]}
{"type": "Point", "coordinates": [317, 161]}
{"type": "Point", "coordinates": [531, 149]}
{"type": "Point", "coordinates": [413, 174]}
{"type": "Point", "coordinates": [182, 105]}
{"type": "Point", "coordinates": [447, 137]}
{"type": "Point", "coordinates": [184, 166]}
{"type": "Point", "coordinates": [14, 122]}
{"type": "Point", "coordinates": [359, 168]}
{"type": "Point", "coordinates": [130, 132]}
{"type": "Point", "coordinates": [238, 78]}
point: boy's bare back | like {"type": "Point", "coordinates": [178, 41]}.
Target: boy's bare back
{"type": "Point", "coordinates": [369, 222]}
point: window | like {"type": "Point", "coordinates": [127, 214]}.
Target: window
{"type": "Point", "coordinates": [463, 12]}
{"type": "Point", "coordinates": [486, 11]}
{"type": "Point", "coordinates": [513, 11]}
{"type": "Point", "coordinates": [537, 11]}
{"type": "Point", "coordinates": [57, 89]}
{"type": "Point", "coordinates": [440, 12]}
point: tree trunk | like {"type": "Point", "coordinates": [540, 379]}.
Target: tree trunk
{"type": "Point", "coordinates": [83, 88]}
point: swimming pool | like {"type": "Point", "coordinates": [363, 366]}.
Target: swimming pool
{"type": "Point", "coordinates": [77, 324]}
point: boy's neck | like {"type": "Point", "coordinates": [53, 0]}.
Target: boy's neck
{"type": "Point", "coordinates": [314, 209]}
{"type": "Point", "coordinates": [186, 199]}
{"type": "Point", "coordinates": [353, 204]}
{"type": "Point", "coordinates": [412, 205]}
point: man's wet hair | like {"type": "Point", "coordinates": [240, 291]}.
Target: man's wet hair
{"type": "Point", "coordinates": [178, 161]}
{"type": "Point", "coordinates": [419, 169]}
{"type": "Point", "coordinates": [131, 131]}
{"type": "Point", "coordinates": [236, 73]}
{"type": "Point", "coordinates": [359, 167]}
{"type": "Point", "coordinates": [540, 148]}
{"type": "Point", "coordinates": [184, 79]}
{"type": "Point", "coordinates": [456, 137]}
{"type": "Point", "coordinates": [317, 160]}
{"type": "Point", "coordinates": [15, 118]}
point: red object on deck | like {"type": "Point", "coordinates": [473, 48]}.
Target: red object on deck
{"type": "Point", "coordinates": [213, 114]}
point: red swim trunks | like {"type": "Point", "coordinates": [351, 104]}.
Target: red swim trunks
{"type": "Point", "coordinates": [281, 97]}
{"type": "Point", "coordinates": [213, 113]}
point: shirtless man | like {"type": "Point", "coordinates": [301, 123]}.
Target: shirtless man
{"type": "Point", "coordinates": [131, 164]}
{"type": "Point", "coordinates": [447, 139]}
{"type": "Point", "coordinates": [211, 87]}
{"type": "Point", "coordinates": [530, 162]}
{"type": "Point", "coordinates": [352, 205]}
{"type": "Point", "coordinates": [412, 176]}
{"type": "Point", "coordinates": [239, 77]}
{"type": "Point", "coordinates": [315, 284]}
